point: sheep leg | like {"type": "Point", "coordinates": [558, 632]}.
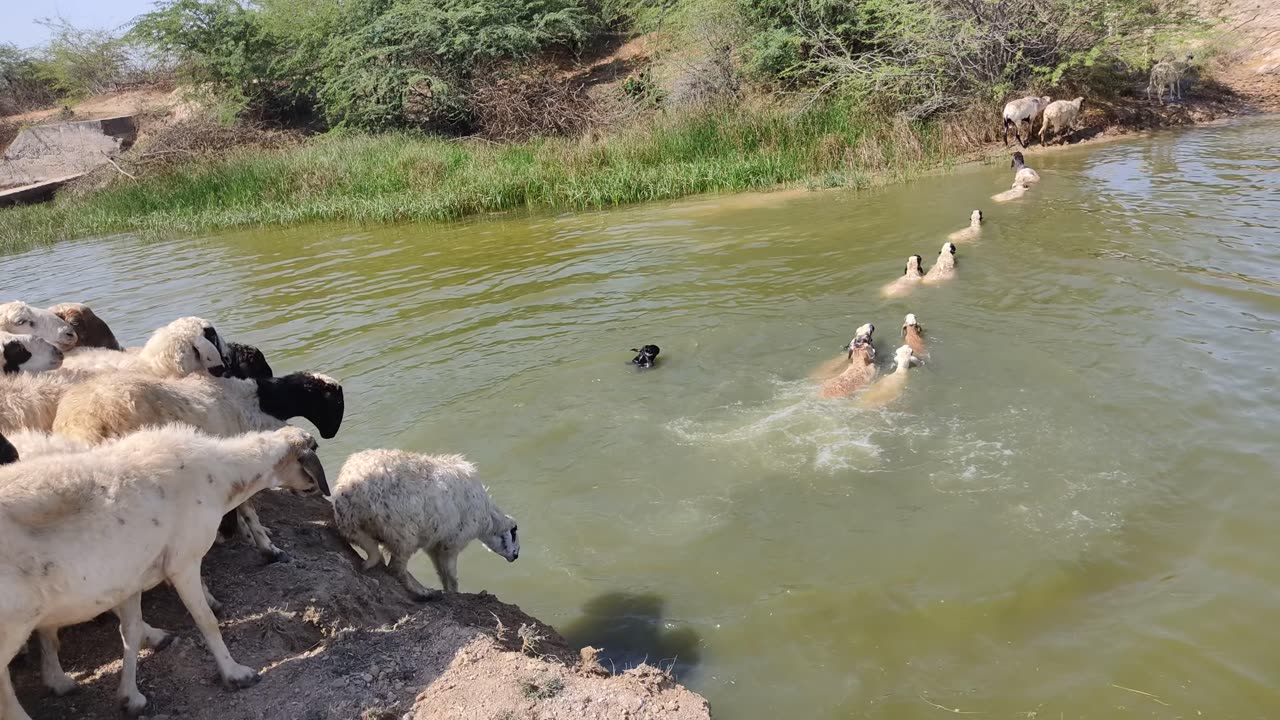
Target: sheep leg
{"type": "Point", "coordinates": [446, 561]}
{"type": "Point", "coordinates": [51, 672]}
{"type": "Point", "coordinates": [1006, 132]}
{"type": "Point", "coordinates": [191, 591]}
{"type": "Point", "coordinates": [10, 642]}
{"type": "Point", "coordinates": [1017, 133]}
{"type": "Point", "coordinates": [260, 537]}
{"type": "Point", "coordinates": [367, 543]}
{"type": "Point", "coordinates": [399, 568]}
{"type": "Point", "coordinates": [130, 614]}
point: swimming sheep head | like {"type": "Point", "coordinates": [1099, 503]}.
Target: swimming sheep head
{"type": "Point", "coordinates": [905, 357]}
{"type": "Point", "coordinates": [20, 318]}
{"type": "Point", "coordinates": [975, 217]}
{"type": "Point", "coordinates": [910, 321]}
{"type": "Point", "coordinates": [862, 342]}
{"type": "Point", "coordinates": [914, 269]}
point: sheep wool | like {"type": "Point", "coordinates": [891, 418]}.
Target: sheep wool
{"type": "Point", "coordinates": [407, 501]}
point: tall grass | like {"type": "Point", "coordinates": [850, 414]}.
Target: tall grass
{"type": "Point", "coordinates": [403, 176]}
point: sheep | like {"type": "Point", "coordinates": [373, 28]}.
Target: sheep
{"type": "Point", "coordinates": [246, 362]}
{"type": "Point", "coordinates": [861, 369]}
{"type": "Point", "coordinates": [1168, 73]}
{"type": "Point", "coordinates": [90, 329]}
{"type": "Point", "coordinates": [909, 279]}
{"type": "Point", "coordinates": [109, 406]}
{"type": "Point", "coordinates": [945, 267]}
{"type": "Point", "coordinates": [1023, 178]}
{"type": "Point", "coordinates": [30, 402]}
{"type": "Point", "coordinates": [28, 353]}
{"type": "Point", "coordinates": [913, 335]}
{"type": "Point", "coordinates": [185, 346]}
{"type": "Point", "coordinates": [20, 318]}
{"type": "Point", "coordinates": [970, 233]}
{"type": "Point", "coordinates": [406, 501]}
{"type": "Point", "coordinates": [90, 531]}
{"type": "Point", "coordinates": [889, 388]}
{"type": "Point", "coordinates": [1061, 115]}
{"type": "Point", "coordinates": [1022, 110]}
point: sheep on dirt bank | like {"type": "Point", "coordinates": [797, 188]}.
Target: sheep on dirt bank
{"type": "Point", "coordinates": [91, 331]}
{"type": "Point", "coordinates": [1022, 110]}
{"type": "Point", "coordinates": [1168, 73]}
{"type": "Point", "coordinates": [90, 531]}
{"type": "Point", "coordinates": [406, 501]}
{"type": "Point", "coordinates": [27, 353]}
{"type": "Point", "coordinates": [1061, 115]}
{"type": "Point", "coordinates": [185, 346]}
{"type": "Point", "coordinates": [20, 318]}
{"type": "Point", "coordinates": [110, 406]}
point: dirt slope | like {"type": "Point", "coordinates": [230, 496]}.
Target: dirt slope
{"type": "Point", "coordinates": [336, 644]}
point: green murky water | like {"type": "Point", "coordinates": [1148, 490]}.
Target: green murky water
{"type": "Point", "coordinates": [1074, 501]}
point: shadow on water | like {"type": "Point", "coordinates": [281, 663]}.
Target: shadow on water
{"type": "Point", "coordinates": [628, 629]}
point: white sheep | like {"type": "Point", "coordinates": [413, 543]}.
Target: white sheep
{"type": "Point", "coordinates": [913, 335]}
{"type": "Point", "coordinates": [889, 387]}
{"type": "Point", "coordinates": [30, 402]}
{"type": "Point", "coordinates": [1168, 73]}
{"type": "Point", "coordinates": [88, 532]}
{"type": "Point", "coordinates": [1023, 178]}
{"type": "Point", "coordinates": [108, 406]}
{"type": "Point", "coordinates": [1061, 115]}
{"type": "Point", "coordinates": [945, 267]}
{"type": "Point", "coordinates": [861, 369]}
{"type": "Point", "coordinates": [20, 318]}
{"type": "Point", "coordinates": [185, 346]}
{"type": "Point", "coordinates": [406, 501]}
{"type": "Point", "coordinates": [27, 353]}
{"type": "Point", "coordinates": [970, 233]}
{"type": "Point", "coordinates": [91, 330]}
{"type": "Point", "coordinates": [1022, 110]}
{"type": "Point", "coordinates": [908, 280]}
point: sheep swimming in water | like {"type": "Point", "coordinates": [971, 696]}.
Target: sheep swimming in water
{"type": "Point", "coordinates": [861, 369]}
{"type": "Point", "coordinates": [970, 233]}
{"type": "Point", "coordinates": [908, 280]}
{"type": "Point", "coordinates": [646, 356]}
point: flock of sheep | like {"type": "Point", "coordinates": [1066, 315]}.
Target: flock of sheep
{"type": "Point", "coordinates": [120, 468]}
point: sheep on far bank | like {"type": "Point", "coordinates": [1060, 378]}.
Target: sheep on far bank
{"type": "Point", "coordinates": [1168, 73]}
{"type": "Point", "coordinates": [91, 330]}
{"type": "Point", "coordinates": [407, 501]}
{"type": "Point", "coordinates": [1061, 115]}
{"type": "Point", "coordinates": [20, 318]}
{"type": "Point", "coordinates": [28, 353]}
{"type": "Point", "coordinates": [1022, 110]}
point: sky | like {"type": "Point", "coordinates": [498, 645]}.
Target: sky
{"type": "Point", "coordinates": [19, 28]}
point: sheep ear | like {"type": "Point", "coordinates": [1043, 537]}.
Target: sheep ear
{"type": "Point", "coordinates": [311, 466]}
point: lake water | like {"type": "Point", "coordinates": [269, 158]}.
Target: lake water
{"type": "Point", "coordinates": [1070, 513]}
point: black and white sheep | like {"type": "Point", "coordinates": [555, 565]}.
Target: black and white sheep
{"type": "Point", "coordinates": [27, 353]}
{"type": "Point", "coordinates": [20, 318]}
{"type": "Point", "coordinates": [407, 501]}
{"type": "Point", "coordinates": [88, 532]}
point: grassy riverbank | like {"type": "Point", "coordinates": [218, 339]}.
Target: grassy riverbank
{"type": "Point", "coordinates": [409, 176]}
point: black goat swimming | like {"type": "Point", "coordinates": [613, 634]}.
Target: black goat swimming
{"type": "Point", "coordinates": [646, 356]}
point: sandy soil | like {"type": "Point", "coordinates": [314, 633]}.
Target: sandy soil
{"type": "Point", "coordinates": [333, 643]}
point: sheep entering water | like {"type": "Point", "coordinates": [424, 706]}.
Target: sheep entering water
{"type": "Point", "coordinates": [1022, 110]}
{"type": "Point", "coordinates": [407, 501]}
{"type": "Point", "coordinates": [1061, 116]}
{"type": "Point", "coordinates": [20, 318]}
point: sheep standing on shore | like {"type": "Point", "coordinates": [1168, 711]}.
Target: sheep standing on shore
{"type": "Point", "coordinates": [1168, 73]}
{"type": "Point", "coordinates": [20, 318]}
{"type": "Point", "coordinates": [407, 501]}
{"type": "Point", "coordinates": [1061, 116]}
{"type": "Point", "coordinates": [1022, 110]}
{"type": "Point", "coordinates": [91, 331]}
{"type": "Point", "coordinates": [88, 532]}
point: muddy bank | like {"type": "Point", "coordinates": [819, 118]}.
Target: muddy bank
{"type": "Point", "coordinates": [333, 643]}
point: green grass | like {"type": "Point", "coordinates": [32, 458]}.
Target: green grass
{"type": "Point", "coordinates": [404, 176]}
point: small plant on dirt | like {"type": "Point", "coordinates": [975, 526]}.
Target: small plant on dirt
{"type": "Point", "coordinates": [499, 629]}
{"type": "Point", "coordinates": [544, 690]}
{"type": "Point", "coordinates": [530, 639]}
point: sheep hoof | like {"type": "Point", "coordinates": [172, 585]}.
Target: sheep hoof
{"type": "Point", "coordinates": [63, 686]}
{"type": "Point", "coordinates": [133, 704]}
{"type": "Point", "coordinates": [428, 596]}
{"type": "Point", "coordinates": [240, 678]}
{"type": "Point", "coordinates": [165, 642]}
{"type": "Point", "coordinates": [279, 556]}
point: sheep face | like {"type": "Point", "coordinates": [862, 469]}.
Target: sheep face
{"type": "Point", "coordinates": [975, 217]}
{"type": "Point", "coordinates": [313, 396]}
{"type": "Point", "coordinates": [506, 541]}
{"type": "Point", "coordinates": [910, 322]}
{"type": "Point", "coordinates": [19, 317]}
{"type": "Point", "coordinates": [913, 265]}
{"type": "Point", "coordinates": [28, 353]}
{"type": "Point", "coordinates": [91, 331]}
{"type": "Point", "coordinates": [905, 358]}
{"type": "Point", "coordinates": [246, 362]}
{"type": "Point", "coordinates": [300, 469]}
{"type": "Point", "coordinates": [948, 248]}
